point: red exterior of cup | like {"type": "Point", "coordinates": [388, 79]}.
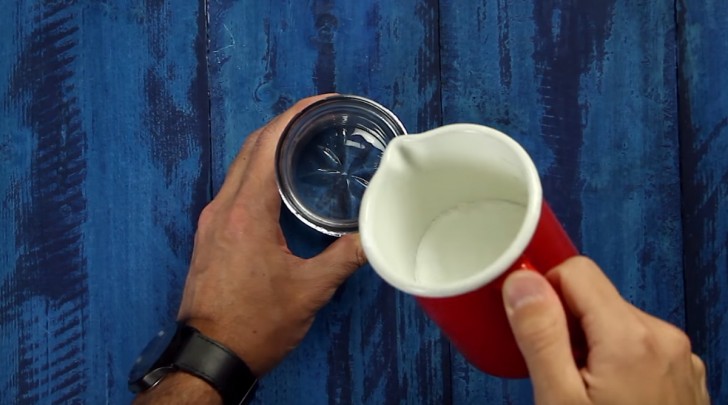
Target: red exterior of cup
{"type": "Point", "coordinates": [476, 323]}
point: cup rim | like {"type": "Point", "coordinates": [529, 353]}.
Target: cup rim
{"type": "Point", "coordinates": [336, 102]}
{"type": "Point", "coordinates": [487, 274]}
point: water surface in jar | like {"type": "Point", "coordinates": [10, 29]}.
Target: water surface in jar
{"type": "Point", "coordinates": [333, 168]}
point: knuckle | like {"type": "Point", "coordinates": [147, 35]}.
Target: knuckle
{"type": "Point", "coordinates": [577, 264]}
{"type": "Point", "coordinates": [361, 257]}
{"type": "Point", "coordinates": [253, 137]}
{"type": "Point", "coordinates": [677, 342]}
{"type": "Point", "coordinates": [639, 343]}
{"type": "Point", "coordinates": [583, 261]}
{"type": "Point", "coordinates": [207, 215]}
{"type": "Point", "coordinates": [573, 269]}
{"type": "Point", "coordinates": [358, 257]}
{"type": "Point", "coordinates": [699, 366]}
{"type": "Point", "coordinates": [644, 339]}
{"type": "Point", "coordinates": [264, 134]}
{"type": "Point", "coordinates": [305, 102]}
{"type": "Point", "coordinates": [666, 344]}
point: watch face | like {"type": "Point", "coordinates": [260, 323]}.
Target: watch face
{"type": "Point", "coordinates": [146, 362]}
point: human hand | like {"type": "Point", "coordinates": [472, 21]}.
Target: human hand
{"type": "Point", "coordinates": [245, 288]}
{"type": "Point", "coordinates": [633, 358]}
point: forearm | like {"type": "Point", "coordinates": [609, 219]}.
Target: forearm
{"type": "Point", "coordinates": [180, 388]}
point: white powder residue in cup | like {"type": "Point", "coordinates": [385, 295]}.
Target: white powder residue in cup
{"type": "Point", "coordinates": [466, 239]}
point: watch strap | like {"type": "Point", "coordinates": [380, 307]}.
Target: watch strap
{"type": "Point", "coordinates": [216, 364]}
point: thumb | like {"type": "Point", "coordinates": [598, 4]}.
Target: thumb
{"type": "Point", "coordinates": [539, 325]}
{"type": "Point", "coordinates": [340, 259]}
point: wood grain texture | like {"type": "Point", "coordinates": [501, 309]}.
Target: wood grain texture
{"type": "Point", "coordinates": [105, 129]}
{"type": "Point", "coordinates": [372, 344]}
{"type": "Point", "coordinates": [703, 58]}
{"type": "Point", "coordinates": [589, 90]}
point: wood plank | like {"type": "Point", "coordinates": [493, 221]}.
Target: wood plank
{"type": "Point", "coordinates": [703, 56]}
{"type": "Point", "coordinates": [106, 115]}
{"type": "Point", "coordinates": [372, 344]}
{"type": "Point", "coordinates": [589, 90]}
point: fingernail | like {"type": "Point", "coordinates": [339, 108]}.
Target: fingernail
{"type": "Point", "coordinates": [522, 288]}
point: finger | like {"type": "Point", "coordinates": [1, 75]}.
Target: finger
{"type": "Point", "coordinates": [698, 367]}
{"type": "Point", "coordinates": [593, 300]}
{"type": "Point", "coordinates": [338, 261]}
{"type": "Point", "coordinates": [258, 184]}
{"type": "Point", "coordinates": [672, 341]}
{"type": "Point", "coordinates": [538, 322]}
{"type": "Point", "coordinates": [700, 378]}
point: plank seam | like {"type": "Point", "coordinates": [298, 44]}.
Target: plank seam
{"type": "Point", "coordinates": [680, 145]}
{"type": "Point", "coordinates": [206, 12]}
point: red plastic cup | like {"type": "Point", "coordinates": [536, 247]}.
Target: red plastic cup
{"type": "Point", "coordinates": [448, 215]}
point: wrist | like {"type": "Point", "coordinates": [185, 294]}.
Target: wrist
{"type": "Point", "coordinates": [254, 355]}
{"type": "Point", "coordinates": [180, 387]}
{"type": "Point", "coordinates": [182, 363]}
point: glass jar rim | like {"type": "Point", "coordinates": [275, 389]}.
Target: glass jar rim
{"type": "Point", "coordinates": [384, 125]}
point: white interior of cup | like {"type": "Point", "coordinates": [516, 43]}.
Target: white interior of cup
{"type": "Point", "coordinates": [449, 210]}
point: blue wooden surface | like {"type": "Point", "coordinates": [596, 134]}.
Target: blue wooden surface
{"type": "Point", "coordinates": [110, 146]}
{"type": "Point", "coordinates": [105, 163]}
{"type": "Point", "coordinates": [703, 80]}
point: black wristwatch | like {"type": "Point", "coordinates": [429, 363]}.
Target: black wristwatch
{"type": "Point", "coordinates": [180, 347]}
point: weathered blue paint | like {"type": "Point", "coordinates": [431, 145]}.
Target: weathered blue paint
{"type": "Point", "coordinates": [104, 114]}
{"type": "Point", "coordinates": [703, 80]}
{"type": "Point", "coordinates": [47, 289]}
